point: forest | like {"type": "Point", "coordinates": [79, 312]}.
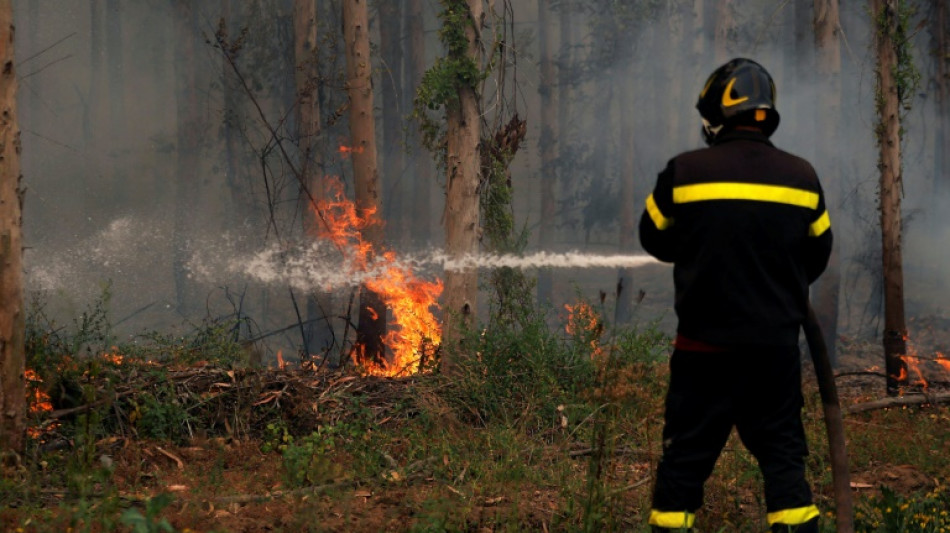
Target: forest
{"type": "Point", "coordinates": [368, 265]}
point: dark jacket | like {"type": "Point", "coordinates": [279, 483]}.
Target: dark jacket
{"type": "Point", "coordinates": [746, 227]}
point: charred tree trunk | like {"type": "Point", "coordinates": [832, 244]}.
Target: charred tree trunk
{"type": "Point", "coordinates": [828, 58]}
{"type": "Point", "coordinates": [318, 334]}
{"type": "Point", "coordinates": [359, 85]}
{"type": "Point", "coordinates": [462, 195]}
{"type": "Point", "coordinates": [884, 15]}
{"type": "Point", "coordinates": [548, 145]}
{"type": "Point", "coordinates": [12, 356]}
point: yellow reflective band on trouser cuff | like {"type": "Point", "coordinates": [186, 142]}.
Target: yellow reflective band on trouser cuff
{"type": "Point", "coordinates": [660, 221]}
{"type": "Point", "coordinates": [793, 517]}
{"type": "Point", "coordinates": [819, 226]}
{"type": "Point", "coordinates": [702, 192]}
{"type": "Point", "coordinates": [671, 520]}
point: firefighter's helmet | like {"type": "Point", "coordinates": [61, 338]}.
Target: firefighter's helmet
{"type": "Point", "coordinates": [739, 92]}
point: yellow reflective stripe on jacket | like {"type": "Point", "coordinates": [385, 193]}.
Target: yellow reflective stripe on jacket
{"type": "Point", "coordinates": [701, 192]}
{"type": "Point", "coordinates": [671, 520]}
{"type": "Point", "coordinates": [793, 517]}
{"type": "Point", "coordinates": [660, 221]}
{"type": "Point", "coordinates": [819, 226]}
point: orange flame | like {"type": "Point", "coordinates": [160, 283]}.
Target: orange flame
{"type": "Point", "coordinates": [943, 361]}
{"type": "Point", "coordinates": [913, 364]}
{"type": "Point", "coordinates": [281, 364]}
{"type": "Point", "coordinates": [114, 356]}
{"type": "Point", "coordinates": [413, 330]}
{"type": "Point", "coordinates": [351, 149]}
{"type": "Point", "coordinates": [38, 401]}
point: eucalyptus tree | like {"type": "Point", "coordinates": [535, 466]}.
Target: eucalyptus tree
{"type": "Point", "coordinates": [896, 79]}
{"type": "Point", "coordinates": [359, 86]}
{"type": "Point", "coordinates": [12, 352]}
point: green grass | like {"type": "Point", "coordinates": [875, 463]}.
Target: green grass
{"type": "Point", "coordinates": [539, 429]}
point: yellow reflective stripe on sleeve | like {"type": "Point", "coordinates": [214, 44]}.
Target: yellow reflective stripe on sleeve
{"type": "Point", "coordinates": [793, 517]}
{"type": "Point", "coordinates": [819, 226]}
{"type": "Point", "coordinates": [671, 520]}
{"type": "Point", "coordinates": [701, 192]}
{"type": "Point", "coordinates": [660, 221]}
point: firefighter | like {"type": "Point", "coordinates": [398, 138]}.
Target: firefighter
{"type": "Point", "coordinates": [745, 226]}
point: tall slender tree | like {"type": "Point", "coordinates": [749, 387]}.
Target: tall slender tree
{"type": "Point", "coordinates": [393, 156]}
{"type": "Point", "coordinates": [187, 184]}
{"type": "Point", "coordinates": [12, 357]}
{"type": "Point", "coordinates": [939, 22]}
{"type": "Point", "coordinates": [424, 179]}
{"type": "Point", "coordinates": [462, 166]}
{"type": "Point", "coordinates": [318, 334]}
{"type": "Point", "coordinates": [548, 143]}
{"type": "Point", "coordinates": [359, 86]}
{"type": "Point", "coordinates": [828, 59]}
{"type": "Point", "coordinates": [888, 40]}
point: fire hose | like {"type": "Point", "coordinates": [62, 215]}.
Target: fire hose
{"type": "Point", "coordinates": [834, 425]}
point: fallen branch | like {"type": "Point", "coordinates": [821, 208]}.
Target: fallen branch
{"type": "Point", "coordinates": [883, 403]}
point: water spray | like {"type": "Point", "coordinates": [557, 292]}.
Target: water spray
{"type": "Point", "coordinates": [319, 267]}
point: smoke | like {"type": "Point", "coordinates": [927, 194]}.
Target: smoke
{"type": "Point", "coordinates": [102, 170]}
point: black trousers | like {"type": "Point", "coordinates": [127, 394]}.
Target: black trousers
{"type": "Point", "coordinates": [755, 389]}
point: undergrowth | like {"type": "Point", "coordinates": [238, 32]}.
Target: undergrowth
{"type": "Point", "coordinates": [544, 426]}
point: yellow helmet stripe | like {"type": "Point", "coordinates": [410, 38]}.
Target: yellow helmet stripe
{"type": "Point", "coordinates": [819, 226]}
{"type": "Point", "coordinates": [672, 520]}
{"type": "Point", "coordinates": [727, 99]}
{"type": "Point", "coordinates": [793, 517]}
{"type": "Point", "coordinates": [701, 192]}
{"type": "Point", "coordinates": [660, 221]}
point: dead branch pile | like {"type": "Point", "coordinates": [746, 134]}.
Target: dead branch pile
{"type": "Point", "coordinates": [239, 403]}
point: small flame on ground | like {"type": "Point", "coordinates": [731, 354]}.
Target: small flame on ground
{"type": "Point", "coordinates": [38, 401]}
{"type": "Point", "coordinates": [281, 364]}
{"type": "Point", "coordinates": [413, 331]}
{"type": "Point", "coordinates": [114, 356]}
{"type": "Point", "coordinates": [943, 361]}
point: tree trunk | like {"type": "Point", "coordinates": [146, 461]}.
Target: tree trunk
{"type": "Point", "coordinates": [394, 175]}
{"type": "Point", "coordinates": [548, 145]}
{"type": "Point", "coordinates": [628, 205]}
{"type": "Point", "coordinates": [189, 129]}
{"type": "Point", "coordinates": [359, 85]}
{"type": "Point", "coordinates": [318, 333]}
{"type": "Point", "coordinates": [118, 184]}
{"type": "Point", "coordinates": [462, 198]}
{"type": "Point", "coordinates": [422, 184]}
{"type": "Point", "coordinates": [803, 68]}
{"type": "Point", "coordinates": [884, 16]}
{"type": "Point", "coordinates": [828, 59]}
{"type": "Point", "coordinates": [12, 356]}
{"type": "Point", "coordinates": [940, 18]}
